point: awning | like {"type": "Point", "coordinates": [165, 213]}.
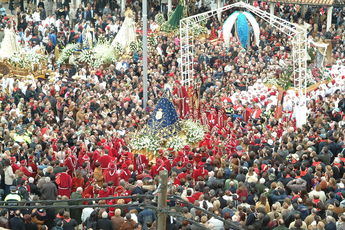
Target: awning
{"type": "Point", "coordinates": [311, 2]}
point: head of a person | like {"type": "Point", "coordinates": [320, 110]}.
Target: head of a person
{"type": "Point", "coordinates": [104, 215]}
{"type": "Point", "coordinates": [47, 179]}
{"type": "Point", "coordinates": [66, 215]}
{"type": "Point", "coordinates": [13, 189]}
{"type": "Point", "coordinates": [139, 183]}
{"type": "Point", "coordinates": [128, 216]}
{"type": "Point", "coordinates": [79, 190]}
{"type": "Point", "coordinates": [117, 212]}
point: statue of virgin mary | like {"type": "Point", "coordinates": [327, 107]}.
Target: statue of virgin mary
{"type": "Point", "coordinates": [127, 33]}
{"type": "Point", "coordinates": [9, 44]}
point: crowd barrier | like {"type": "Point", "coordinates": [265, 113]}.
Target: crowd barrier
{"type": "Point", "coordinates": [47, 204]}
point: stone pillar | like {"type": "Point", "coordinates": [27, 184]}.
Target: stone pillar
{"type": "Point", "coordinates": [329, 17]}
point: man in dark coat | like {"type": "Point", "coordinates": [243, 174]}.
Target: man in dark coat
{"type": "Point", "coordinates": [76, 212]}
{"type": "Point", "coordinates": [16, 222]}
{"type": "Point", "coordinates": [104, 223]}
{"type": "Point", "coordinates": [68, 223]}
{"type": "Point", "coordinates": [48, 190]}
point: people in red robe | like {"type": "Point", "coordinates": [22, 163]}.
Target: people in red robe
{"type": "Point", "coordinates": [125, 173]}
{"type": "Point", "coordinates": [77, 181]}
{"type": "Point", "coordinates": [117, 143]}
{"type": "Point", "coordinates": [111, 174]}
{"type": "Point", "coordinates": [25, 170]}
{"type": "Point", "coordinates": [212, 117]}
{"type": "Point", "coordinates": [182, 95]}
{"type": "Point", "coordinates": [88, 192]}
{"type": "Point", "coordinates": [126, 156]}
{"type": "Point", "coordinates": [82, 159]}
{"type": "Point", "coordinates": [199, 172]}
{"type": "Point", "coordinates": [32, 165]}
{"type": "Point", "coordinates": [156, 168]}
{"type": "Point", "coordinates": [104, 192]}
{"type": "Point", "coordinates": [14, 164]}
{"type": "Point", "coordinates": [64, 183]}
{"type": "Point", "coordinates": [213, 34]}
{"type": "Point", "coordinates": [71, 163]}
{"type": "Point", "coordinates": [222, 118]}
{"type": "Point", "coordinates": [140, 163]}
{"type": "Point", "coordinates": [121, 191]}
{"type": "Point", "coordinates": [104, 160]}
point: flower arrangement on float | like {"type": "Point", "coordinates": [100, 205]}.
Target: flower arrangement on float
{"type": "Point", "coordinates": [25, 64]}
{"type": "Point", "coordinates": [284, 81]}
{"type": "Point", "coordinates": [26, 60]}
{"type": "Point", "coordinates": [150, 142]}
{"type": "Point", "coordinates": [67, 52]}
{"type": "Point", "coordinates": [103, 53]}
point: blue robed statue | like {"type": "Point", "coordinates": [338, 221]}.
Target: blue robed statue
{"type": "Point", "coordinates": [163, 117]}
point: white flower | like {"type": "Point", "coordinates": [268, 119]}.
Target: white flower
{"type": "Point", "coordinates": [194, 131]}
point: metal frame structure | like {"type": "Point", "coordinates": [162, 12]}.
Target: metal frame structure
{"type": "Point", "coordinates": [298, 35]}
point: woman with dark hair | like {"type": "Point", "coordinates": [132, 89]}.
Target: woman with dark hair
{"type": "Point", "coordinates": [91, 221]}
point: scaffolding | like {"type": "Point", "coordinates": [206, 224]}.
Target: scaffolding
{"type": "Point", "coordinates": [298, 35]}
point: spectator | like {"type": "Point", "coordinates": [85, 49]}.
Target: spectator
{"type": "Point", "coordinates": [104, 222]}
{"type": "Point", "coordinates": [129, 224]}
{"type": "Point", "coordinates": [16, 222]}
{"type": "Point", "coordinates": [68, 223]}
{"type": "Point", "coordinates": [76, 213]}
{"type": "Point", "coordinates": [48, 190]}
{"type": "Point", "coordinates": [117, 220]}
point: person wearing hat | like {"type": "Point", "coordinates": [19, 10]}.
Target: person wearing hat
{"type": "Point", "coordinates": [13, 197]}
{"type": "Point", "coordinates": [140, 163]}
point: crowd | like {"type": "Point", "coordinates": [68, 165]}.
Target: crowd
{"type": "Point", "coordinates": [68, 138]}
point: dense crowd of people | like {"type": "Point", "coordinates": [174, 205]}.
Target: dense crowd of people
{"type": "Point", "coordinates": [67, 138]}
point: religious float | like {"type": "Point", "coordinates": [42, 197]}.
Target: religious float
{"type": "Point", "coordinates": [244, 26]}
{"type": "Point", "coordinates": [166, 132]}
{"type": "Point", "coordinates": [23, 64]}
